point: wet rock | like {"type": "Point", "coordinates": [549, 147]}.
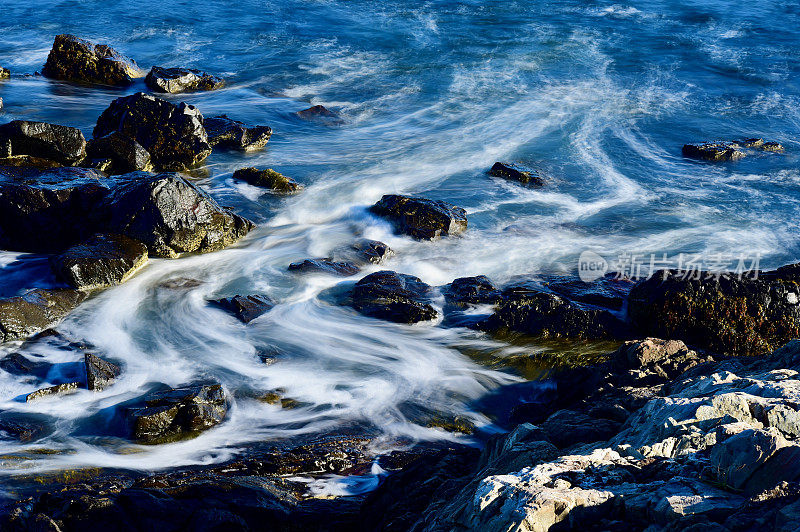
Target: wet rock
{"type": "Point", "coordinates": [245, 308]}
{"type": "Point", "coordinates": [23, 427]}
{"type": "Point", "coordinates": [514, 172]}
{"type": "Point", "coordinates": [267, 178]}
{"type": "Point", "coordinates": [52, 391]}
{"type": "Point", "coordinates": [19, 364]}
{"type": "Point", "coordinates": [177, 80]}
{"type": "Point", "coordinates": [714, 151]}
{"type": "Point", "coordinates": [75, 59]}
{"type": "Point", "coordinates": [472, 291]}
{"type": "Point", "coordinates": [420, 218]}
{"type": "Point", "coordinates": [39, 140]}
{"type": "Point", "coordinates": [324, 265]}
{"type": "Point", "coordinates": [4, 73]}
{"type": "Point", "coordinates": [607, 292]}
{"type": "Point", "coordinates": [316, 111]}
{"type": "Point", "coordinates": [100, 373]}
{"type": "Point", "coordinates": [173, 134]}
{"type": "Point", "coordinates": [772, 146]}
{"type": "Point", "coordinates": [394, 297]}
{"type": "Point", "coordinates": [178, 412]}
{"type": "Point", "coordinates": [363, 251]}
{"type": "Point", "coordinates": [101, 261]}
{"type": "Point", "coordinates": [35, 311]}
{"type": "Point", "coordinates": [118, 154]}
{"type": "Point", "coordinates": [232, 134]}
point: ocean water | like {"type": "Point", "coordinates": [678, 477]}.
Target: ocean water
{"type": "Point", "coordinates": [599, 95]}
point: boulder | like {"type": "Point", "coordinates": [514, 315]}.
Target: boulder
{"type": "Point", "coordinates": [609, 291]}
{"type": "Point", "coordinates": [714, 151]}
{"type": "Point", "coordinates": [4, 73]}
{"type": "Point", "coordinates": [19, 364]}
{"type": "Point", "coordinates": [101, 261]}
{"type": "Point", "coordinates": [362, 252]}
{"type": "Point", "coordinates": [75, 59]}
{"type": "Point", "coordinates": [178, 413]}
{"type": "Point", "coordinates": [329, 266]}
{"type": "Point", "coordinates": [653, 360]}
{"type": "Point", "coordinates": [245, 308]}
{"type": "Point", "coordinates": [100, 373]}
{"type": "Point", "coordinates": [394, 297]}
{"type": "Point", "coordinates": [514, 172]}
{"type": "Point", "coordinates": [466, 291]}
{"type": "Point", "coordinates": [177, 80]}
{"type": "Point", "coordinates": [224, 132]}
{"type": "Point", "coordinates": [738, 457]}
{"type": "Point", "coordinates": [267, 178]}
{"type": "Point", "coordinates": [116, 153]}
{"type": "Point", "coordinates": [62, 145]}
{"type": "Point", "coordinates": [25, 315]}
{"type": "Point", "coordinates": [420, 218]}
{"type": "Point", "coordinates": [316, 111]}
{"type": "Point", "coordinates": [53, 391]}
{"type": "Point", "coordinates": [173, 134]}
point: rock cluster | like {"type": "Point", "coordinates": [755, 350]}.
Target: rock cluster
{"type": "Point", "coordinates": [728, 150]}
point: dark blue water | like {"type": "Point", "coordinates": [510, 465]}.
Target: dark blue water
{"type": "Point", "coordinates": [601, 96]}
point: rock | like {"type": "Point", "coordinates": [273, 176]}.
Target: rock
{"type": "Point", "coordinates": [394, 297]}
{"type": "Point", "coordinates": [713, 151]}
{"type": "Point", "coordinates": [75, 59]}
{"type": "Point", "coordinates": [19, 364]}
{"type": "Point", "coordinates": [316, 111]}
{"type": "Point", "coordinates": [173, 134]}
{"type": "Point", "coordinates": [119, 154]}
{"type": "Point", "coordinates": [653, 360]}
{"type": "Point", "coordinates": [735, 459]}
{"type": "Point", "coordinates": [178, 412]}
{"type": "Point", "coordinates": [176, 80]}
{"type": "Point", "coordinates": [423, 219]}
{"type": "Point", "coordinates": [101, 261]}
{"type": "Point", "coordinates": [35, 311]}
{"type": "Point", "coordinates": [324, 265]}
{"type": "Point", "coordinates": [514, 172]}
{"type": "Point", "coordinates": [4, 73]}
{"type": "Point", "coordinates": [60, 389]}
{"type": "Point", "coordinates": [268, 178]}
{"type": "Point", "coordinates": [23, 427]}
{"type": "Point", "coordinates": [245, 308]}
{"type": "Point", "coordinates": [363, 251]}
{"type": "Point", "coordinates": [472, 291]}
{"type": "Point", "coordinates": [608, 292]}
{"type": "Point", "coordinates": [566, 428]}
{"type": "Point", "coordinates": [100, 373]}
{"type": "Point", "coordinates": [61, 144]}
{"type": "Point", "coordinates": [772, 146]}
{"type": "Point", "coordinates": [224, 132]}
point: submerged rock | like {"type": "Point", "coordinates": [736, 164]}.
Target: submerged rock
{"type": "Point", "coordinates": [394, 297]}
{"type": "Point", "coordinates": [62, 145]}
{"type": "Point", "coordinates": [116, 153]}
{"type": "Point", "coordinates": [19, 364]}
{"type": "Point", "coordinates": [75, 59]}
{"type": "Point", "coordinates": [177, 80]}
{"type": "Point", "coordinates": [35, 311]}
{"type": "Point", "coordinates": [420, 218]}
{"type": "Point", "coordinates": [514, 172]}
{"type": "Point", "coordinates": [225, 132]}
{"type": "Point", "coordinates": [316, 111]}
{"type": "Point", "coordinates": [23, 427]}
{"type": "Point", "coordinates": [100, 373]}
{"type": "Point", "coordinates": [173, 134]}
{"type": "Point", "coordinates": [714, 151]}
{"type": "Point", "coordinates": [246, 308]}
{"type": "Point", "coordinates": [267, 178]}
{"type": "Point", "coordinates": [52, 391]}
{"type": "Point", "coordinates": [101, 261]}
{"type": "Point", "coordinates": [472, 291]}
{"type": "Point", "coordinates": [362, 252]}
{"type": "Point", "coordinates": [324, 265]}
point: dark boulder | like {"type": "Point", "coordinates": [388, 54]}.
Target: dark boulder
{"type": "Point", "coordinates": [472, 291]}
{"type": "Point", "coordinates": [176, 80]}
{"type": "Point", "coordinates": [101, 261]}
{"type": "Point", "coordinates": [268, 178]}
{"type": "Point", "coordinates": [316, 111]}
{"type": "Point", "coordinates": [25, 315]}
{"type": "Point", "coordinates": [100, 373]}
{"type": "Point", "coordinates": [62, 145]}
{"type": "Point", "coordinates": [245, 308]}
{"type": "Point", "coordinates": [610, 291]}
{"type": "Point", "coordinates": [232, 134]}
{"type": "Point", "coordinates": [53, 391]}
{"type": "Point", "coordinates": [420, 218]}
{"type": "Point", "coordinates": [19, 364]}
{"type": "Point", "coordinates": [122, 153]}
{"type": "Point", "coordinates": [363, 251]}
{"type": "Point", "coordinates": [514, 172]}
{"type": "Point", "coordinates": [394, 297]}
{"type": "Point", "coordinates": [173, 134]}
{"type": "Point", "coordinates": [75, 59]}
{"type": "Point", "coordinates": [177, 413]}
{"type": "Point", "coordinates": [714, 151]}
{"type": "Point", "coordinates": [23, 427]}
{"type": "Point", "coordinates": [324, 265]}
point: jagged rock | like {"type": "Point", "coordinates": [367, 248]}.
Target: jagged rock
{"type": "Point", "coordinates": [324, 265]}
{"type": "Point", "coordinates": [394, 297]}
{"type": "Point", "coordinates": [118, 153]}
{"type": "Point", "coordinates": [35, 311]}
{"type": "Point", "coordinates": [714, 151]}
{"type": "Point", "coordinates": [363, 251]}
{"type": "Point", "coordinates": [75, 59]}
{"type": "Point", "coordinates": [246, 308]}
{"type": "Point", "coordinates": [100, 373]}
{"type": "Point", "coordinates": [33, 141]}
{"type": "Point", "coordinates": [178, 412]}
{"type": "Point", "coordinates": [420, 218]}
{"type": "Point", "coordinates": [267, 178]}
{"type": "Point", "coordinates": [653, 360]}
{"type": "Point", "coordinates": [101, 261]}
{"type": "Point", "coordinates": [4, 73]}
{"type": "Point", "coordinates": [225, 132]}
{"type": "Point", "coordinates": [52, 391]}
{"type": "Point", "coordinates": [472, 291]}
{"type": "Point", "coordinates": [514, 172]}
{"type": "Point", "coordinates": [19, 364]}
{"type": "Point", "coordinates": [173, 134]}
{"type": "Point", "coordinates": [735, 459]}
{"type": "Point", "coordinates": [771, 146]}
{"type": "Point", "coordinates": [176, 80]}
